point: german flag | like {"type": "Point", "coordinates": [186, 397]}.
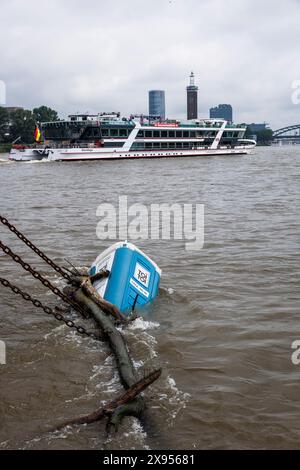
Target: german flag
{"type": "Point", "coordinates": [37, 134]}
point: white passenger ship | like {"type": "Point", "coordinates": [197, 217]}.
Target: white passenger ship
{"type": "Point", "coordinates": [108, 136]}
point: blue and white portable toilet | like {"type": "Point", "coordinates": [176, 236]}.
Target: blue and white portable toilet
{"type": "Point", "coordinates": [133, 280]}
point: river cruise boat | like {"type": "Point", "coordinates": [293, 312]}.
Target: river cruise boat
{"type": "Point", "coordinates": [108, 136]}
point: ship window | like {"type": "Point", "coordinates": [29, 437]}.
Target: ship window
{"type": "Point", "coordinates": [114, 144]}
{"type": "Point", "coordinates": [178, 134]}
{"type": "Point", "coordinates": [185, 145]}
{"type": "Point", "coordinates": [164, 134]}
{"type": "Point", "coordinates": [171, 145]}
{"type": "Point", "coordinates": [192, 134]}
{"type": "Point", "coordinates": [96, 132]}
{"type": "Point", "coordinates": [137, 146]}
{"type": "Point", "coordinates": [148, 145]}
{"type": "Point", "coordinates": [114, 132]}
{"type": "Point", "coordinates": [156, 134]}
{"type": "Point", "coordinates": [156, 145]}
{"type": "Point", "coordinates": [164, 145]}
{"type": "Point", "coordinates": [171, 134]}
{"type": "Point", "coordinates": [123, 132]}
{"type": "Point", "coordinates": [148, 133]}
{"type": "Point", "coordinates": [104, 132]}
{"type": "Point", "coordinates": [140, 134]}
{"type": "Point", "coordinates": [185, 134]}
{"type": "Point", "coordinates": [179, 145]}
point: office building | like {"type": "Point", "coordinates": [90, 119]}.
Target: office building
{"type": "Point", "coordinates": [222, 111]}
{"type": "Point", "coordinates": [157, 105]}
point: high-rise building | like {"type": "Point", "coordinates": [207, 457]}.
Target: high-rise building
{"type": "Point", "coordinates": [157, 106]}
{"type": "Point", "coordinates": [192, 98]}
{"type": "Point", "coordinates": [223, 111]}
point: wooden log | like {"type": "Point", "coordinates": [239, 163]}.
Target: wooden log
{"type": "Point", "coordinates": [101, 275]}
{"type": "Point", "coordinates": [123, 405]}
{"type": "Point", "coordinates": [78, 277]}
{"type": "Point", "coordinates": [115, 339]}
{"type": "Point", "coordinates": [134, 408]}
{"type": "Point", "coordinates": [106, 306]}
{"type": "Point", "coordinates": [86, 283]}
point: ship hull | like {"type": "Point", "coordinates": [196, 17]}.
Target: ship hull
{"type": "Point", "coordinates": [83, 155]}
{"type": "Point", "coordinates": [27, 155]}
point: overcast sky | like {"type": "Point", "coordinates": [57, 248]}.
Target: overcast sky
{"type": "Point", "coordinates": [101, 55]}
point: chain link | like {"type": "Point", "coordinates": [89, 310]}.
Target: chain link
{"type": "Point", "coordinates": [39, 277]}
{"type": "Point", "coordinates": [70, 323]}
{"type": "Point", "coordinates": [34, 248]}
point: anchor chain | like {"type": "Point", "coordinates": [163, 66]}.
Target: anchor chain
{"type": "Point", "coordinates": [58, 316]}
{"type": "Point", "coordinates": [38, 276]}
{"type": "Point", "coordinates": [34, 248]}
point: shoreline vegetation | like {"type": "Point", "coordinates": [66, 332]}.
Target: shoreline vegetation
{"type": "Point", "coordinates": [5, 148]}
{"type": "Point", "coordinates": [18, 124]}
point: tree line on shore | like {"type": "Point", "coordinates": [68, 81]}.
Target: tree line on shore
{"type": "Point", "coordinates": [263, 136]}
{"type": "Point", "coordinates": [21, 123]}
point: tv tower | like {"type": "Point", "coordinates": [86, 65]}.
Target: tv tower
{"type": "Point", "coordinates": [192, 98]}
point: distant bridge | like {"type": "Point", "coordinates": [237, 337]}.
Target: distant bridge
{"type": "Point", "coordinates": [289, 132]}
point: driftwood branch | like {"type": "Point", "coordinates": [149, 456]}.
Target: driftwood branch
{"type": "Point", "coordinates": [119, 407]}
{"type": "Point", "coordinates": [101, 275]}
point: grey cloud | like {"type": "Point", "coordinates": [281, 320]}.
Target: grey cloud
{"type": "Point", "coordinates": [100, 55]}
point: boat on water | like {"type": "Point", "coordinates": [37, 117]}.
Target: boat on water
{"type": "Point", "coordinates": [107, 136]}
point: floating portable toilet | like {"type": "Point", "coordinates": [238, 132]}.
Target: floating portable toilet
{"type": "Point", "coordinates": [133, 279]}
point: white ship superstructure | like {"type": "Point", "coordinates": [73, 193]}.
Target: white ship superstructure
{"type": "Point", "coordinates": [108, 136]}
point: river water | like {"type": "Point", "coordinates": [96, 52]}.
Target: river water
{"type": "Point", "coordinates": [221, 328]}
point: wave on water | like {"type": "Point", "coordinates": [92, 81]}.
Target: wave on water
{"type": "Point", "coordinates": [141, 324]}
{"type": "Point", "coordinates": [34, 162]}
{"type": "Point", "coordinates": [135, 434]}
{"type": "Point", "coordinates": [5, 161]}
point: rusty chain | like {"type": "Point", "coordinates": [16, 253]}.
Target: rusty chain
{"type": "Point", "coordinates": [58, 316]}
{"type": "Point", "coordinates": [34, 248]}
{"type": "Point", "coordinates": [37, 275]}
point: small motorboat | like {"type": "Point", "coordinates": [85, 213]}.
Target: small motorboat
{"type": "Point", "coordinates": [133, 279]}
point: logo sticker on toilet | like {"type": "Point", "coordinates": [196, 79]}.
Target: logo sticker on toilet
{"type": "Point", "coordinates": [141, 274]}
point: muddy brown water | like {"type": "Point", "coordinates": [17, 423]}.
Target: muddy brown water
{"type": "Point", "coordinates": [221, 328]}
